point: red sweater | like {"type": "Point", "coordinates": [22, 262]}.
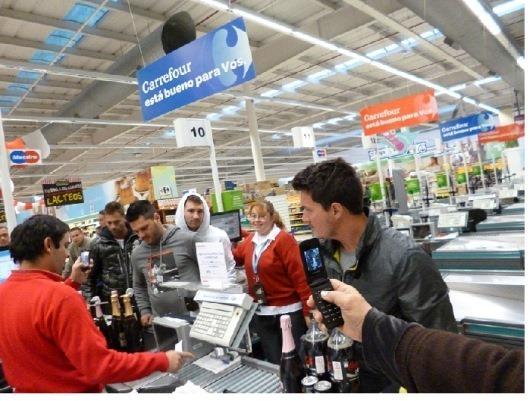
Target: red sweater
{"type": "Point", "coordinates": [49, 343]}
{"type": "Point", "coordinates": [280, 270]}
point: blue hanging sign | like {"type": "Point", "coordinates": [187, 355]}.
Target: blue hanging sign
{"type": "Point", "coordinates": [216, 61]}
{"type": "Point", "coordinates": [471, 125]}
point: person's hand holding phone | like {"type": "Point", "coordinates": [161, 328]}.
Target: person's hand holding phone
{"type": "Point", "coordinates": [80, 271]}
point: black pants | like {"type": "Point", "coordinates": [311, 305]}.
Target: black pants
{"type": "Point", "coordinates": [270, 333]}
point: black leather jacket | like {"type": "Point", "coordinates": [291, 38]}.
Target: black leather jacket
{"type": "Point", "coordinates": [397, 277]}
{"type": "Point", "coordinates": [112, 264]}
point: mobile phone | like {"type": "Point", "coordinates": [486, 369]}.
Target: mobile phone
{"type": "Point", "coordinates": [318, 280]}
{"type": "Point", "coordinates": [85, 260]}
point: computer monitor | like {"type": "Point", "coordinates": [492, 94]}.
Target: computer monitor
{"type": "Point", "coordinates": [453, 220]}
{"type": "Point", "coordinates": [421, 230]}
{"type": "Point", "coordinates": [229, 222]}
{"type": "Point", "coordinates": [6, 265]}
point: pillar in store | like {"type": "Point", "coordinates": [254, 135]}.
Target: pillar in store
{"type": "Point", "coordinates": [5, 181]}
{"type": "Point", "coordinates": [255, 142]}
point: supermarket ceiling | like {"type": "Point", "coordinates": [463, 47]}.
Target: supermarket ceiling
{"type": "Point", "coordinates": [69, 67]}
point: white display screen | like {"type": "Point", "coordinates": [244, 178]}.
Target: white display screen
{"type": "Point", "coordinates": [6, 265]}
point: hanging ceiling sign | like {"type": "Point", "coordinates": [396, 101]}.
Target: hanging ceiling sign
{"type": "Point", "coordinates": [24, 157]}
{"type": "Point", "coordinates": [213, 63]}
{"type": "Point", "coordinates": [303, 137]}
{"type": "Point", "coordinates": [191, 132]}
{"type": "Point", "coordinates": [62, 192]}
{"type": "Point", "coordinates": [404, 112]}
{"type": "Point", "coordinates": [471, 125]}
{"type": "Point", "coordinates": [504, 133]}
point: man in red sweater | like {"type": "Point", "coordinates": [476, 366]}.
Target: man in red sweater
{"type": "Point", "coordinates": [49, 341]}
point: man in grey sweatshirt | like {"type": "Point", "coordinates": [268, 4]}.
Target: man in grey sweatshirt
{"type": "Point", "coordinates": [166, 253]}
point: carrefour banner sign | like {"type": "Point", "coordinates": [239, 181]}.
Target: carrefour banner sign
{"type": "Point", "coordinates": [213, 63]}
{"type": "Point", "coordinates": [471, 125]}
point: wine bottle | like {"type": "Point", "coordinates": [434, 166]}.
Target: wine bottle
{"type": "Point", "coordinates": [99, 319]}
{"type": "Point", "coordinates": [342, 367]}
{"type": "Point", "coordinates": [117, 334]}
{"type": "Point", "coordinates": [314, 343]}
{"type": "Point", "coordinates": [130, 326]}
{"type": "Point", "coordinates": [291, 369]}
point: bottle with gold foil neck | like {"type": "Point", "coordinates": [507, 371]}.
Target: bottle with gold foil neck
{"type": "Point", "coordinates": [119, 341]}
{"type": "Point", "coordinates": [130, 326]}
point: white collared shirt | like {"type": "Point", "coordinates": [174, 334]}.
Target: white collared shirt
{"type": "Point", "coordinates": [261, 243]}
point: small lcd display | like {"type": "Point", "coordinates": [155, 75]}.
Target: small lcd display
{"type": "Point", "coordinates": [313, 260]}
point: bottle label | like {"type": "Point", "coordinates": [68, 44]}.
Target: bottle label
{"type": "Point", "coordinates": [319, 364]}
{"type": "Point", "coordinates": [337, 370]}
{"type": "Point", "coordinates": [123, 340]}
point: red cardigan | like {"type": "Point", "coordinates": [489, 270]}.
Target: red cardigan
{"type": "Point", "coordinates": [280, 270]}
{"type": "Point", "coordinates": [49, 343]}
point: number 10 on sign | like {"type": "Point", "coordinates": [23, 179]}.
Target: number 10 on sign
{"type": "Point", "coordinates": [193, 132]}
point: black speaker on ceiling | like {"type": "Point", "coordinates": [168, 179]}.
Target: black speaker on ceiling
{"type": "Point", "coordinates": [178, 30]}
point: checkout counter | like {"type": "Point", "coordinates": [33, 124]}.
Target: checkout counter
{"type": "Point", "coordinates": [219, 338]}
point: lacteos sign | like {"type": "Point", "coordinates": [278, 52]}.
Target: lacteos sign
{"type": "Point", "coordinates": [25, 156]}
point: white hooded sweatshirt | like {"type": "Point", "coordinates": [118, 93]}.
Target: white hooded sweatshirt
{"type": "Point", "coordinates": [208, 233]}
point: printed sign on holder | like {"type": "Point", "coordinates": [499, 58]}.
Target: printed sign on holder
{"type": "Point", "coordinates": [62, 192]}
{"type": "Point", "coordinates": [193, 132]}
{"type": "Point", "coordinates": [303, 137]}
{"type": "Point", "coordinates": [320, 155]}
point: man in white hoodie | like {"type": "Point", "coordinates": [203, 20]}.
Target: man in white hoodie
{"type": "Point", "coordinates": [193, 215]}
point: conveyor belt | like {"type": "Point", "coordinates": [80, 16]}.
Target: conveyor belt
{"type": "Point", "coordinates": [502, 223]}
{"type": "Point", "coordinates": [251, 376]}
{"type": "Point", "coordinates": [482, 252]}
{"type": "Point", "coordinates": [516, 208]}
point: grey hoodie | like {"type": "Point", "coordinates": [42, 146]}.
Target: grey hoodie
{"type": "Point", "coordinates": [208, 233]}
{"type": "Point", "coordinates": [178, 263]}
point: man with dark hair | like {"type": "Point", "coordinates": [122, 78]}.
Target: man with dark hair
{"type": "Point", "coordinates": [102, 223]}
{"type": "Point", "coordinates": [193, 215]}
{"type": "Point", "coordinates": [49, 341]}
{"type": "Point", "coordinates": [394, 274]}
{"type": "Point", "coordinates": [166, 253]}
{"type": "Point", "coordinates": [80, 243]}
{"type": "Point", "coordinates": [111, 254]}
{"type": "Point", "coordinates": [4, 238]}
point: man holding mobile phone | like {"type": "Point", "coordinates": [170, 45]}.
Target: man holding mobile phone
{"type": "Point", "coordinates": [390, 271]}
{"type": "Point", "coordinates": [79, 243]}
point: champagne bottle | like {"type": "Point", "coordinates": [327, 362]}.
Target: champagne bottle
{"type": "Point", "coordinates": [130, 326]}
{"type": "Point", "coordinates": [99, 319]}
{"type": "Point", "coordinates": [291, 369]}
{"type": "Point", "coordinates": [342, 367]}
{"type": "Point", "coordinates": [315, 349]}
{"type": "Point", "coordinates": [119, 341]}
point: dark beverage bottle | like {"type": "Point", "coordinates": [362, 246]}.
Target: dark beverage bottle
{"type": "Point", "coordinates": [99, 319]}
{"type": "Point", "coordinates": [130, 326]}
{"type": "Point", "coordinates": [314, 343]}
{"type": "Point", "coordinates": [118, 338]}
{"type": "Point", "coordinates": [291, 369]}
{"type": "Point", "coordinates": [342, 367]}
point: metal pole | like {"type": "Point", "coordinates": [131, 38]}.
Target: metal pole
{"type": "Point", "coordinates": [255, 142]}
{"type": "Point", "coordinates": [448, 176]}
{"type": "Point", "coordinates": [5, 182]}
{"type": "Point", "coordinates": [465, 167]}
{"type": "Point", "coordinates": [479, 151]}
{"type": "Point", "coordinates": [215, 176]}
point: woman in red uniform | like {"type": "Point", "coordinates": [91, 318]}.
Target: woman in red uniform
{"type": "Point", "coordinates": [275, 277]}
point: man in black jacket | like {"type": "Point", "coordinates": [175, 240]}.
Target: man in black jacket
{"type": "Point", "coordinates": [385, 266]}
{"type": "Point", "coordinates": [111, 254]}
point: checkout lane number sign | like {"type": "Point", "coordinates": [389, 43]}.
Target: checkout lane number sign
{"type": "Point", "coordinates": [193, 132]}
